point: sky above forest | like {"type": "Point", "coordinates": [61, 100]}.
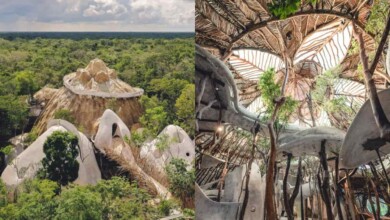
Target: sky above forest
{"type": "Point", "coordinates": [97, 15]}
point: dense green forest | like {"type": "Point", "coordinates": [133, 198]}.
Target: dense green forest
{"type": "Point", "coordinates": [95, 35]}
{"type": "Point", "coordinates": [109, 199]}
{"type": "Point", "coordinates": [162, 67]}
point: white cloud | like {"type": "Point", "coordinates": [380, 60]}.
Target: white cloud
{"type": "Point", "coordinates": [93, 10]}
{"type": "Point", "coordinates": [71, 6]}
{"type": "Point", "coordinates": [172, 12]}
{"type": "Point", "coordinates": [101, 7]}
{"type": "Point", "coordinates": [133, 15]}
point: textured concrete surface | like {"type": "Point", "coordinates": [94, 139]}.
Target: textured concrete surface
{"type": "Point", "coordinates": [111, 142]}
{"type": "Point", "coordinates": [256, 199]}
{"type": "Point", "coordinates": [210, 72]}
{"type": "Point", "coordinates": [233, 196]}
{"type": "Point", "coordinates": [207, 209]}
{"type": "Point", "coordinates": [104, 135]}
{"type": "Point", "coordinates": [308, 142]}
{"type": "Point", "coordinates": [209, 161]}
{"type": "Point", "coordinates": [27, 164]}
{"type": "Point", "coordinates": [363, 128]}
{"type": "Point", "coordinates": [89, 172]}
{"type": "Point", "coordinates": [180, 146]}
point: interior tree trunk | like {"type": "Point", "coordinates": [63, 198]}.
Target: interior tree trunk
{"type": "Point", "coordinates": [325, 185]}
{"type": "Point", "coordinates": [285, 194]}
{"type": "Point", "coordinates": [269, 188]}
{"type": "Point", "coordinates": [379, 114]}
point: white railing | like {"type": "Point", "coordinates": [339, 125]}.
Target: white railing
{"type": "Point", "coordinates": [137, 93]}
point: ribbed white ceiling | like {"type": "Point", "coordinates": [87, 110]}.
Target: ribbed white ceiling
{"type": "Point", "coordinates": [327, 46]}
{"type": "Point", "coordinates": [354, 92]}
{"type": "Point", "coordinates": [250, 63]}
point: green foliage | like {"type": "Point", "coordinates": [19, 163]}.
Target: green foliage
{"type": "Point", "coordinates": [264, 143]}
{"type": "Point", "coordinates": [185, 108]}
{"type": "Point", "coordinates": [115, 187]}
{"type": "Point", "coordinates": [60, 163]}
{"type": "Point", "coordinates": [127, 139]}
{"type": "Point", "coordinates": [269, 92]}
{"type": "Point", "coordinates": [324, 83]}
{"type": "Point", "coordinates": [108, 199]}
{"type": "Point", "coordinates": [287, 109]}
{"type": "Point", "coordinates": [35, 201]}
{"type": "Point", "coordinates": [122, 200]}
{"type": "Point", "coordinates": [167, 88]}
{"type": "Point", "coordinates": [359, 71]}
{"type": "Point", "coordinates": [149, 102]}
{"type": "Point", "coordinates": [79, 203]}
{"type": "Point", "coordinates": [166, 206]}
{"type": "Point", "coordinates": [283, 8]}
{"type": "Point", "coordinates": [7, 150]}
{"type": "Point", "coordinates": [180, 179]}
{"type": "Point", "coordinates": [24, 83]}
{"type": "Point", "coordinates": [31, 136]}
{"type": "Point", "coordinates": [162, 67]}
{"type": "Point", "coordinates": [337, 105]}
{"type": "Point", "coordinates": [164, 141]}
{"type": "Point", "coordinates": [9, 212]}
{"type": "Point", "coordinates": [189, 213]}
{"type": "Point", "coordinates": [322, 93]}
{"type": "Point", "coordinates": [154, 119]}
{"type": "Point", "coordinates": [13, 114]}
{"type": "Point", "coordinates": [354, 48]}
{"type": "Point", "coordinates": [158, 111]}
{"type": "Point", "coordinates": [269, 89]}
{"type": "Point", "coordinates": [65, 114]}
{"type": "Point", "coordinates": [139, 137]}
{"type": "Point", "coordinates": [377, 20]}
{"type": "Point", "coordinates": [80, 128]}
{"type": "Point", "coordinates": [3, 195]}
{"type": "Point", "coordinates": [112, 104]}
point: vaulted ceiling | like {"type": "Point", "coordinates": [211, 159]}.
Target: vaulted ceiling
{"type": "Point", "coordinates": [250, 40]}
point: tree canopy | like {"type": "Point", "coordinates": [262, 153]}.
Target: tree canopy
{"type": "Point", "coordinates": [60, 163]}
{"type": "Point", "coordinates": [108, 199]}
{"type": "Point", "coordinates": [162, 67]}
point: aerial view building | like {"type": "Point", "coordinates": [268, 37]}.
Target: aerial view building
{"type": "Point", "coordinates": [292, 108]}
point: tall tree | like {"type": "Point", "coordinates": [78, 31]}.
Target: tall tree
{"type": "Point", "coordinates": [13, 114]}
{"type": "Point", "coordinates": [60, 163]}
{"type": "Point", "coordinates": [185, 108]}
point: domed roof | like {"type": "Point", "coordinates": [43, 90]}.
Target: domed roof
{"type": "Point", "coordinates": [96, 87]}
{"type": "Point", "coordinates": [250, 38]}
{"type": "Point", "coordinates": [99, 80]}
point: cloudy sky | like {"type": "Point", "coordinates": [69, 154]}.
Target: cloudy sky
{"type": "Point", "coordinates": [97, 15]}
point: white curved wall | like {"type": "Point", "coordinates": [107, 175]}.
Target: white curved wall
{"type": "Point", "coordinates": [27, 164]}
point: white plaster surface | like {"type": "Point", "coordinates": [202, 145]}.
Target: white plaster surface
{"type": "Point", "coordinates": [181, 146]}
{"type": "Point", "coordinates": [27, 164]}
{"type": "Point", "coordinates": [308, 142]}
{"type": "Point", "coordinates": [112, 143]}
{"type": "Point", "coordinates": [103, 137]}
{"type": "Point", "coordinates": [363, 127]}
{"type": "Point", "coordinates": [207, 209]}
